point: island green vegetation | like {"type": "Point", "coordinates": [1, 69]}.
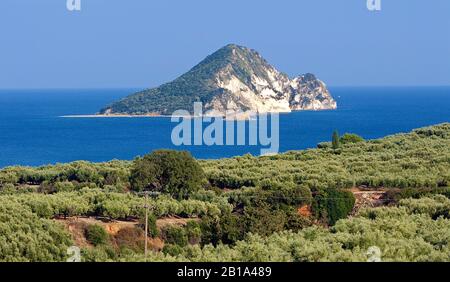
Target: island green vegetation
{"type": "Point", "coordinates": [197, 85]}
{"type": "Point", "coordinates": [296, 206]}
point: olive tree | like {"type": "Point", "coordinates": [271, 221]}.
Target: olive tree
{"type": "Point", "coordinates": [172, 172]}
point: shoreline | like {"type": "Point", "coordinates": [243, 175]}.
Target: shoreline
{"type": "Point", "coordinates": [240, 116]}
{"type": "Point", "coordinates": [115, 116]}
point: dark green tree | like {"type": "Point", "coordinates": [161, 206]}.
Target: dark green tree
{"type": "Point", "coordinates": [171, 172]}
{"type": "Point", "coordinates": [175, 235]}
{"type": "Point", "coordinates": [263, 220]}
{"type": "Point", "coordinates": [333, 204]}
{"type": "Point", "coordinates": [335, 143]}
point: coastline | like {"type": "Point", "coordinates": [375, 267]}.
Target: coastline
{"type": "Point", "coordinates": [239, 116]}
{"type": "Point", "coordinates": [114, 116]}
{"type": "Point", "coordinates": [235, 117]}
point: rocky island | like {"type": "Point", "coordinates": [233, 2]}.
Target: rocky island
{"type": "Point", "coordinates": [234, 78]}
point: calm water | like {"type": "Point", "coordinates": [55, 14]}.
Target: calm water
{"type": "Point", "coordinates": [32, 133]}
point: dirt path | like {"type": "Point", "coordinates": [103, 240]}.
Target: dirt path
{"type": "Point", "coordinates": [367, 198]}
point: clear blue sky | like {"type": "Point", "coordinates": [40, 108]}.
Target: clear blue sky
{"type": "Point", "coordinates": [143, 43]}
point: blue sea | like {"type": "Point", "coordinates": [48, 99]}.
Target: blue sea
{"type": "Point", "coordinates": [33, 133]}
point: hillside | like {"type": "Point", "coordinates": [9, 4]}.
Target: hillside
{"type": "Point", "coordinates": [297, 206]}
{"type": "Point", "coordinates": [417, 159]}
{"type": "Point", "coordinates": [233, 78]}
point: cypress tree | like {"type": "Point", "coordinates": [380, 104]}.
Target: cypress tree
{"type": "Point", "coordinates": [335, 140]}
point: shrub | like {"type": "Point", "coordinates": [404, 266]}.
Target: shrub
{"type": "Point", "coordinates": [351, 138]}
{"type": "Point", "coordinates": [8, 188]}
{"type": "Point", "coordinates": [175, 235]}
{"type": "Point", "coordinates": [233, 228]}
{"type": "Point", "coordinates": [96, 234]}
{"type": "Point", "coordinates": [131, 238]}
{"type": "Point", "coordinates": [64, 186]}
{"type": "Point", "coordinates": [435, 206]}
{"type": "Point", "coordinates": [324, 145]}
{"type": "Point", "coordinates": [41, 207]}
{"type": "Point", "coordinates": [228, 229]}
{"type": "Point", "coordinates": [296, 222]}
{"type": "Point", "coordinates": [416, 193]}
{"type": "Point", "coordinates": [151, 225]}
{"type": "Point", "coordinates": [287, 196]}
{"type": "Point", "coordinates": [97, 254]}
{"type": "Point", "coordinates": [173, 250]}
{"type": "Point", "coordinates": [46, 188]}
{"type": "Point", "coordinates": [193, 232]}
{"type": "Point", "coordinates": [8, 177]}
{"type": "Point", "coordinates": [211, 230]}
{"type": "Point", "coordinates": [333, 204]}
{"type": "Point", "coordinates": [263, 220]}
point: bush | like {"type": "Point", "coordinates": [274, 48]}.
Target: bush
{"type": "Point", "coordinates": [172, 172]}
{"type": "Point", "coordinates": [8, 177]}
{"type": "Point", "coordinates": [435, 206]}
{"type": "Point", "coordinates": [324, 145]}
{"type": "Point", "coordinates": [263, 220]}
{"type": "Point", "coordinates": [333, 204]}
{"type": "Point", "coordinates": [46, 188]}
{"type": "Point", "coordinates": [175, 235]}
{"type": "Point", "coordinates": [193, 232]}
{"type": "Point", "coordinates": [416, 193]}
{"type": "Point", "coordinates": [233, 228]}
{"type": "Point", "coordinates": [8, 188]}
{"type": "Point", "coordinates": [351, 138]}
{"type": "Point", "coordinates": [96, 234]}
{"type": "Point", "coordinates": [64, 186]}
{"type": "Point", "coordinates": [228, 229]}
{"type": "Point", "coordinates": [296, 222]}
{"type": "Point", "coordinates": [286, 196]}
{"type": "Point", "coordinates": [211, 230]}
{"type": "Point", "coordinates": [173, 250]}
{"type": "Point", "coordinates": [151, 225]}
{"type": "Point", "coordinates": [131, 238]}
{"type": "Point", "coordinates": [102, 253]}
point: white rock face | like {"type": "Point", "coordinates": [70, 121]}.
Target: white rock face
{"type": "Point", "coordinates": [272, 92]}
{"type": "Point", "coordinates": [234, 78]}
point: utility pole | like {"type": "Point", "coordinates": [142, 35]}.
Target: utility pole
{"type": "Point", "coordinates": [146, 224]}
{"type": "Point", "coordinates": [146, 206]}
